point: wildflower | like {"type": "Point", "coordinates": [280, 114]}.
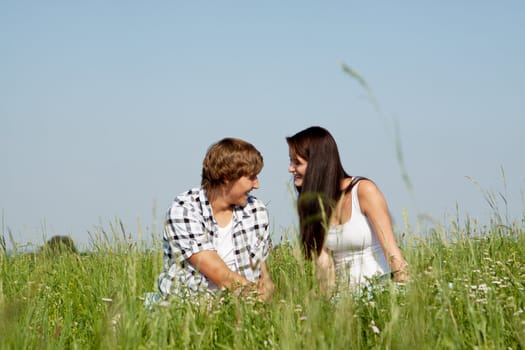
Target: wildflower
{"type": "Point", "coordinates": [115, 319]}
{"type": "Point", "coordinates": [375, 329]}
{"type": "Point", "coordinates": [483, 287]}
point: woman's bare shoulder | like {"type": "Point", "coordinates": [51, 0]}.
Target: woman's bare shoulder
{"type": "Point", "coordinates": [368, 191]}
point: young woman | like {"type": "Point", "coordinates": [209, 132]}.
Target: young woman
{"type": "Point", "coordinates": [344, 220]}
{"type": "Point", "coordinates": [216, 236]}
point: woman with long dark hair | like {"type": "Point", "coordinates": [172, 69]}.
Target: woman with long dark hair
{"type": "Point", "coordinates": [344, 221]}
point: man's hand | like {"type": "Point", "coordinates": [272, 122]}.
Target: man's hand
{"type": "Point", "coordinates": [265, 286]}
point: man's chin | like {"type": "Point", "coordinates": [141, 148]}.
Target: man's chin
{"type": "Point", "coordinates": [242, 203]}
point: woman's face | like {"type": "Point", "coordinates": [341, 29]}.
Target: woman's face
{"type": "Point", "coordinates": [297, 168]}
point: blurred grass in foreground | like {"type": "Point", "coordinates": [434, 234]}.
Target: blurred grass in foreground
{"type": "Point", "coordinates": [467, 291]}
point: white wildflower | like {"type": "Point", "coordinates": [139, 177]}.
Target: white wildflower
{"type": "Point", "coordinates": [115, 319]}
{"type": "Point", "coordinates": [268, 343]}
{"type": "Point", "coordinates": [375, 329]}
{"type": "Point", "coordinates": [483, 287]}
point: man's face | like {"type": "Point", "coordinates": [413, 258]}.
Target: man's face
{"type": "Point", "coordinates": [239, 191]}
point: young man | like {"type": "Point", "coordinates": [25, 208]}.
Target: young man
{"type": "Point", "coordinates": [216, 237]}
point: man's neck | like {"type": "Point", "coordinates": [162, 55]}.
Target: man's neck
{"type": "Point", "coordinates": [222, 211]}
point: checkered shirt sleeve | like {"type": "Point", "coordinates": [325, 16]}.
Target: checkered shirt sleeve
{"type": "Point", "coordinates": [186, 230]}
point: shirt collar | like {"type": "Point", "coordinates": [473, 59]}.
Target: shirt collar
{"type": "Point", "coordinates": [205, 204]}
{"type": "Point", "coordinates": [238, 212]}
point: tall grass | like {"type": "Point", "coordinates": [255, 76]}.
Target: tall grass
{"type": "Point", "coordinates": [466, 291]}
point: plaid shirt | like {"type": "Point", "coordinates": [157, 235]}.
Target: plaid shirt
{"type": "Point", "coordinates": [189, 228]}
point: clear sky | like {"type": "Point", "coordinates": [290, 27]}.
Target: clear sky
{"type": "Point", "coordinates": [107, 107]}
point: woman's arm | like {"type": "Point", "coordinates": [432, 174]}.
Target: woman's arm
{"type": "Point", "coordinates": [374, 207]}
{"type": "Point", "coordinates": [325, 271]}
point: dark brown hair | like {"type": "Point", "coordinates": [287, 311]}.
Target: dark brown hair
{"type": "Point", "coordinates": [229, 159]}
{"type": "Point", "coordinates": [321, 187]}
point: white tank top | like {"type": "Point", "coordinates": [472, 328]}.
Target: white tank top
{"type": "Point", "coordinates": [355, 248]}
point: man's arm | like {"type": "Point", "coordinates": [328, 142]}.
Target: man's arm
{"type": "Point", "coordinates": [213, 267]}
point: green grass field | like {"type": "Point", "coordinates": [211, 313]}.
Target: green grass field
{"type": "Point", "coordinates": [467, 291]}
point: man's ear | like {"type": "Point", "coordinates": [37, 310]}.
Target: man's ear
{"type": "Point", "coordinates": [226, 184]}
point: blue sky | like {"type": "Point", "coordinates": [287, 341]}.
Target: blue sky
{"type": "Point", "coordinates": [107, 107]}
